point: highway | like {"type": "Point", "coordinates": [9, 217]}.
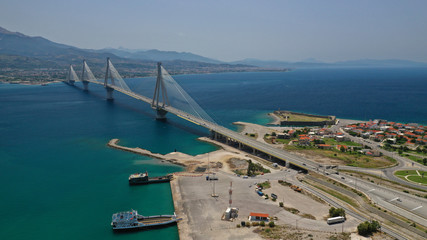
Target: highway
{"type": "Point", "coordinates": [406, 205]}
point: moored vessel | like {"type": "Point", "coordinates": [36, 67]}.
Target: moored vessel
{"type": "Point", "coordinates": [142, 178]}
{"type": "Point", "coordinates": [131, 220]}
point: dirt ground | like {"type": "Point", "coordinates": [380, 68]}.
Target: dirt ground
{"type": "Point", "coordinates": [226, 159]}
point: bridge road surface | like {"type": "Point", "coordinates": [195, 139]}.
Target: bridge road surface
{"type": "Point", "coordinates": [265, 148]}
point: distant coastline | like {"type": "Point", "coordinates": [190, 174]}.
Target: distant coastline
{"type": "Point", "coordinates": [29, 83]}
{"type": "Point", "coordinates": [252, 69]}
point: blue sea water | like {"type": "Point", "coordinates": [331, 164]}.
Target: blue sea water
{"type": "Point", "coordinates": [60, 181]}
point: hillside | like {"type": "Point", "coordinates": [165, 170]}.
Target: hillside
{"type": "Point", "coordinates": [26, 58]}
{"type": "Point", "coordinates": [157, 55]}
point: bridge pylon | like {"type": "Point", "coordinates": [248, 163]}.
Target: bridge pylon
{"type": "Point", "coordinates": [85, 83]}
{"type": "Point", "coordinates": [108, 75]}
{"type": "Point", "coordinates": [160, 91]}
{"type": "Point", "coordinates": [71, 76]}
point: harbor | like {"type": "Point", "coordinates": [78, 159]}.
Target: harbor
{"type": "Point", "coordinates": [202, 214]}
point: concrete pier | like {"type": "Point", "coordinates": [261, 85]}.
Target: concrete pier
{"type": "Point", "coordinates": [161, 114]}
{"type": "Point", "coordinates": [109, 93]}
{"type": "Point", "coordinates": [85, 86]}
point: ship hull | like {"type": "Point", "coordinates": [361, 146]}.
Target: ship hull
{"type": "Point", "coordinates": [136, 181]}
{"type": "Point", "coordinates": [146, 227]}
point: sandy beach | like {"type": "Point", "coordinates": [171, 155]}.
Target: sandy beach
{"type": "Point", "coordinates": [218, 160]}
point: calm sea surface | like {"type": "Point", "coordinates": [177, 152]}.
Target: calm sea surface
{"type": "Point", "coordinates": [60, 181]}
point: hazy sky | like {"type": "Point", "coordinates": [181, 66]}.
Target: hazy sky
{"type": "Point", "coordinates": [232, 29]}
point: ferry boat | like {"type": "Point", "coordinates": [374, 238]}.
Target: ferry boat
{"type": "Point", "coordinates": [131, 220]}
{"type": "Point", "coordinates": [142, 178]}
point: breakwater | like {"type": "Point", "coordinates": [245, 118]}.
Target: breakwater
{"type": "Point", "coordinates": [317, 120]}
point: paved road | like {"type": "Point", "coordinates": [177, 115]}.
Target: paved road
{"type": "Point", "coordinates": [403, 163]}
{"type": "Point", "coordinates": [413, 208]}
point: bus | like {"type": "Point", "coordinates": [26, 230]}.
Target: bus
{"type": "Point", "coordinates": [335, 220]}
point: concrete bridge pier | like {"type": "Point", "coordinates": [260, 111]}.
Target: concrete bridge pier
{"type": "Point", "coordinates": [85, 86]}
{"type": "Point", "coordinates": [161, 114]}
{"type": "Point", "coordinates": [240, 145]}
{"type": "Point", "coordinates": [287, 164]}
{"type": "Point", "coordinates": [253, 151]}
{"type": "Point", "coordinates": [109, 93]}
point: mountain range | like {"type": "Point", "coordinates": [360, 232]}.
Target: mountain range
{"type": "Point", "coordinates": [157, 55]}
{"type": "Point", "coordinates": [24, 57]}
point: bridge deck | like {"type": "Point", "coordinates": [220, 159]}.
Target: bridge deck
{"type": "Point", "coordinates": [262, 147]}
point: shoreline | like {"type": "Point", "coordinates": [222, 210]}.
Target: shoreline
{"type": "Point", "coordinates": [198, 164]}
{"type": "Point", "coordinates": [275, 119]}
{"type": "Point", "coordinates": [183, 226]}
{"type": "Point", "coordinates": [29, 83]}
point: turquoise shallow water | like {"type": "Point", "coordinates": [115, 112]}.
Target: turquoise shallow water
{"type": "Point", "coordinates": [60, 181]}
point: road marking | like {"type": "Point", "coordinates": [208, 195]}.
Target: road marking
{"type": "Point", "coordinates": [416, 208]}
{"type": "Point", "coordinates": [393, 199]}
{"type": "Point", "coordinates": [373, 189]}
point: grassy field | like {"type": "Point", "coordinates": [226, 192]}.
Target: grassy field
{"type": "Point", "coordinates": [349, 159]}
{"type": "Point", "coordinates": [332, 141]}
{"type": "Point", "coordinates": [418, 179]}
{"type": "Point", "coordinates": [413, 176]}
{"type": "Point", "coordinates": [283, 141]}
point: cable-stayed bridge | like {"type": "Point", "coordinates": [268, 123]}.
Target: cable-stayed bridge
{"type": "Point", "coordinates": [169, 97]}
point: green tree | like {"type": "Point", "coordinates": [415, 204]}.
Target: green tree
{"type": "Point", "coordinates": [363, 229]}
{"type": "Point", "coordinates": [335, 212]}
{"type": "Point", "coordinates": [271, 224]}
{"type": "Point", "coordinates": [342, 149]}
{"type": "Point", "coordinates": [251, 168]}
{"type": "Point", "coordinates": [374, 226]}
{"type": "Point", "coordinates": [367, 228]}
{"type": "Point", "coordinates": [425, 161]}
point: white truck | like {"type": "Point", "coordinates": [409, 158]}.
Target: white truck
{"type": "Point", "coordinates": [335, 220]}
